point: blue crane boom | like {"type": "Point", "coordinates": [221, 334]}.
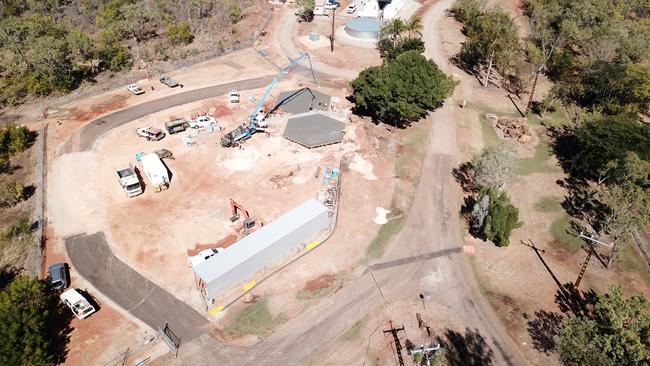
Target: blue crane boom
{"type": "Point", "coordinates": [287, 69]}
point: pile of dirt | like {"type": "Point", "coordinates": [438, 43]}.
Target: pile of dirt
{"type": "Point", "coordinates": [319, 283]}
{"type": "Point", "coordinates": [510, 128]}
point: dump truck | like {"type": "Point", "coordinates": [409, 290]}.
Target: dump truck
{"type": "Point", "coordinates": [129, 181]}
{"type": "Point", "coordinates": [155, 171]}
{"type": "Point", "coordinates": [77, 303]}
{"type": "Point", "coordinates": [176, 126]}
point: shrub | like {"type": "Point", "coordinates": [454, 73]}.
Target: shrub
{"type": "Point", "coordinates": [501, 219]}
{"type": "Point", "coordinates": [179, 33]}
{"type": "Point", "coordinates": [234, 13]}
{"type": "Point", "coordinates": [12, 194]}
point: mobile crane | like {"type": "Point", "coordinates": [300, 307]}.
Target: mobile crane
{"type": "Point", "coordinates": [257, 119]}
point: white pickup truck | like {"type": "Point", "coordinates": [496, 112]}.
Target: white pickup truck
{"type": "Point", "coordinates": [202, 122]}
{"type": "Point", "coordinates": [77, 303]}
{"type": "Point", "coordinates": [129, 181]}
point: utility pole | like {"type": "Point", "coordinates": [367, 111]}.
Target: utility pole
{"type": "Point", "coordinates": [332, 34]}
{"type": "Point", "coordinates": [398, 345]}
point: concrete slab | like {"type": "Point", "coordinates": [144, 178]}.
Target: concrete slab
{"type": "Point", "coordinates": [299, 101]}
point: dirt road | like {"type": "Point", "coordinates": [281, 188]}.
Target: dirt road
{"type": "Point", "coordinates": [427, 260]}
{"type": "Point", "coordinates": [91, 132]}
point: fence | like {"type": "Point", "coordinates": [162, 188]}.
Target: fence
{"type": "Point", "coordinates": [35, 257]}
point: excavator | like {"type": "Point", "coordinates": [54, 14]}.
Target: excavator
{"type": "Point", "coordinates": [250, 224]}
{"type": "Point", "coordinates": [256, 120]}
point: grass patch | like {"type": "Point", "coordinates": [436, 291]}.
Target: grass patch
{"type": "Point", "coordinates": [548, 204]}
{"type": "Point", "coordinates": [383, 237]}
{"type": "Point", "coordinates": [254, 319]}
{"type": "Point", "coordinates": [414, 147]}
{"type": "Point", "coordinates": [490, 137]}
{"type": "Point", "coordinates": [354, 332]}
{"type": "Point", "coordinates": [559, 230]}
{"type": "Point", "coordinates": [629, 260]}
{"type": "Point", "coordinates": [537, 164]}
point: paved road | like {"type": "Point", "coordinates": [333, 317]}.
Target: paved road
{"type": "Point", "coordinates": [93, 259]}
{"type": "Point", "coordinates": [91, 132]}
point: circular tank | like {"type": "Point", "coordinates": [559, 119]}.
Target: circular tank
{"type": "Point", "coordinates": [363, 28]}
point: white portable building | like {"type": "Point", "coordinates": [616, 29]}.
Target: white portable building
{"type": "Point", "coordinates": [269, 243]}
{"type": "Point", "coordinates": [156, 171]}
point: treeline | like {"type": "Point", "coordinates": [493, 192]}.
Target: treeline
{"type": "Point", "coordinates": [596, 51]}
{"type": "Point", "coordinates": [51, 46]}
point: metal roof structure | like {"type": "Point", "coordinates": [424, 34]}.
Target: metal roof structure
{"type": "Point", "coordinates": [300, 101]}
{"type": "Point", "coordinates": [314, 129]}
{"type": "Point", "coordinates": [263, 246]}
{"type": "Point", "coordinates": [364, 27]}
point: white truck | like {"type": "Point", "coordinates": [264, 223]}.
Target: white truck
{"type": "Point", "coordinates": [77, 303]}
{"type": "Point", "coordinates": [203, 122]}
{"type": "Point", "coordinates": [129, 181]}
{"type": "Point", "coordinates": [155, 171]}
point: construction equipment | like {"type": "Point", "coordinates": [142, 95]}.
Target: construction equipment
{"type": "Point", "coordinates": [250, 224]}
{"type": "Point", "coordinates": [257, 119]}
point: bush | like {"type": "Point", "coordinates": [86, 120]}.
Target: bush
{"type": "Point", "coordinates": [14, 139]}
{"type": "Point", "coordinates": [463, 10]}
{"type": "Point", "coordinates": [305, 10]}
{"type": "Point", "coordinates": [179, 33]}
{"type": "Point", "coordinates": [235, 13]}
{"type": "Point", "coordinates": [23, 227]}
{"type": "Point", "coordinates": [12, 194]}
{"type": "Point", "coordinates": [501, 219]}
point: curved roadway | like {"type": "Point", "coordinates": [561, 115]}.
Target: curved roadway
{"type": "Point", "coordinates": [427, 259]}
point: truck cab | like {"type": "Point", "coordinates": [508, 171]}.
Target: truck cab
{"type": "Point", "coordinates": [129, 181]}
{"type": "Point", "coordinates": [81, 308]}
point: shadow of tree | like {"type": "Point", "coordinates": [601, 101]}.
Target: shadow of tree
{"type": "Point", "coordinates": [543, 329]}
{"type": "Point", "coordinates": [574, 301]}
{"type": "Point", "coordinates": [469, 349]}
{"type": "Point", "coordinates": [59, 329]}
{"type": "Point", "coordinates": [463, 175]}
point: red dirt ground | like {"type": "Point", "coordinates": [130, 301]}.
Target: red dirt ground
{"type": "Point", "coordinates": [319, 283]}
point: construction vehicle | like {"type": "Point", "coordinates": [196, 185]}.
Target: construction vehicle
{"type": "Point", "coordinates": [77, 303]}
{"type": "Point", "coordinates": [256, 121]}
{"type": "Point", "coordinates": [129, 181]}
{"type": "Point", "coordinates": [250, 224]}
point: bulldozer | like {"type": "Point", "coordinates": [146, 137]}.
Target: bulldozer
{"type": "Point", "coordinates": [250, 224]}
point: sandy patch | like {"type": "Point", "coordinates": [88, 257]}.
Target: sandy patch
{"type": "Point", "coordinates": [381, 218]}
{"type": "Point", "coordinates": [241, 160]}
{"type": "Point", "coordinates": [363, 167]}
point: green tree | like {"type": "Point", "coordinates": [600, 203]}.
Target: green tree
{"type": "Point", "coordinates": [12, 194]}
{"type": "Point", "coordinates": [464, 10]}
{"type": "Point", "coordinates": [389, 50]}
{"type": "Point", "coordinates": [501, 219]}
{"type": "Point", "coordinates": [401, 91]}
{"type": "Point", "coordinates": [617, 333]}
{"type": "Point", "coordinates": [493, 166]}
{"type": "Point", "coordinates": [601, 141]}
{"type": "Point", "coordinates": [178, 34]}
{"type": "Point", "coordinates": [24, 314]}
{"type": "Point", "coordinates": [14, 139]}
{"type": "Point", "coordinates": [393, 29]}
{"type": "Point", "coordinates": [305, 10]}
{"type": "Point", "coordinates": [137, 22]}
{"type": "Point", "coordinates": [492, 42]}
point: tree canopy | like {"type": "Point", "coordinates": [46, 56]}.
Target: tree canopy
{"type": "Point", "coordinates": [398, 36]}
{"type": "Point", "coordinates": [493, 166]}
{"type": "Point", "coordinates": [401, 91]}
{"type": "Point", "coordinates": [616, 333]}
{"type": "Point", "coordinates": [29, 334]}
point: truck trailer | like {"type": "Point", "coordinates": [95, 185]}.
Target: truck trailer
{"type": "Point", "coordinates": [155, 171]}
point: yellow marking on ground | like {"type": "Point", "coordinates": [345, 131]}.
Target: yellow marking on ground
{"type": "Point", "coordinates": [216, 310]}
{"type": "Point", "coordinates": [312, 245]}
{"type": "Point", "coordinates": [249, 285]}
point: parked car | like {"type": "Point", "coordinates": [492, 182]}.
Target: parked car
{"type": "Point", "coordinates": [79, 305]}
{"type": "Point", "coordinates": [332, 5]}
{"type": "Point", "coordinates": [202, 122]}
{"type": "Point", "coordinates": [151, 133]}
{"type": "Point", "coordinates": [169, 81]}
{"type": "Point", "coordinates": [351, 8]}
{"type": "Point", "coordinates": [59, 276]}
{"type": "Point", "coordinates": [203, 256]}
{"type": "Point", "coordinates": [135, 89]}
{"type": "Point", "coordinates": [234, 96]}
